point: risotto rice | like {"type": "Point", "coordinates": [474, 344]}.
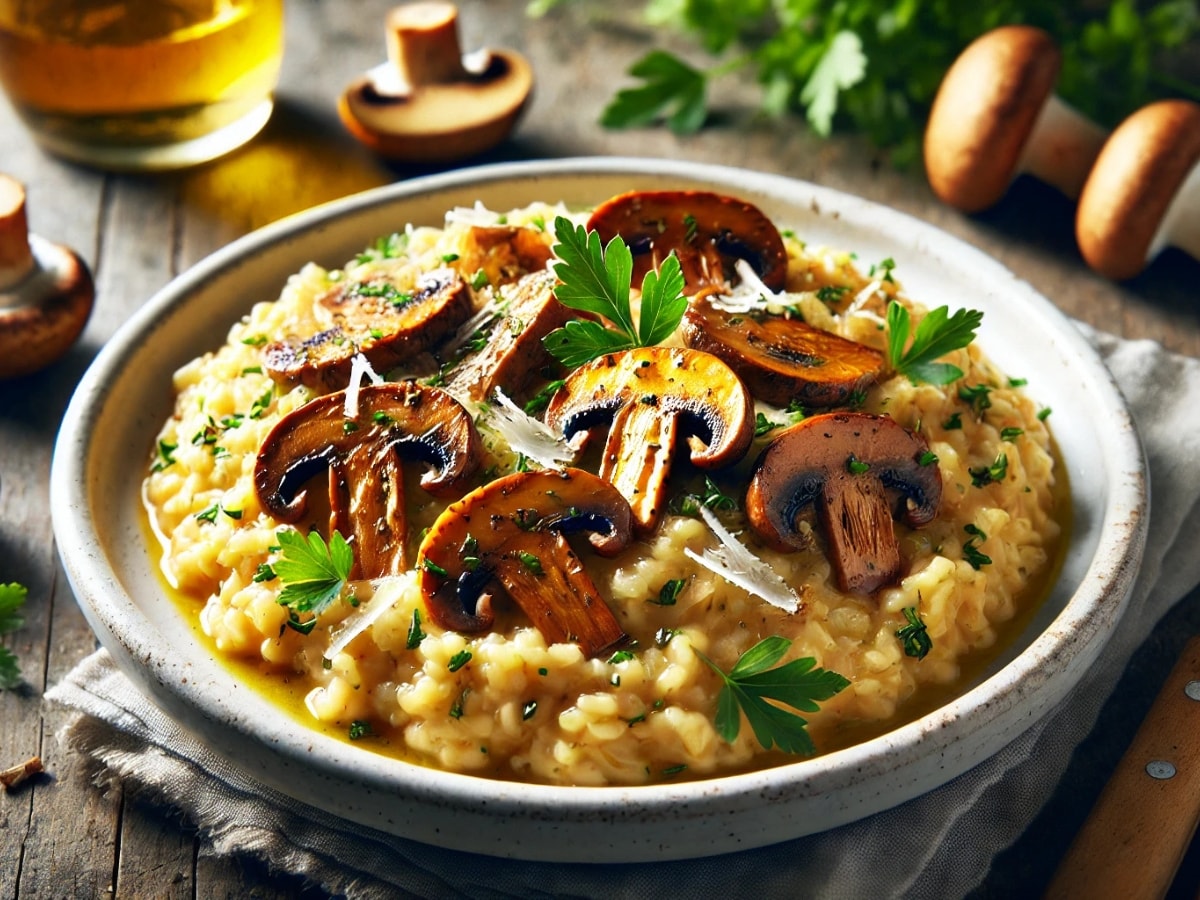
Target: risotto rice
{"type": "Point", "coordinates": [521, 709]}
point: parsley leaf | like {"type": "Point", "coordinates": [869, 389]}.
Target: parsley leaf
{"type": "Point", "coordinates": [841, 66]}
{"type": "Point", "coordinates": [752, 683]}
{"type": "Point", "coordinates": [597, 279]}
{"type": "Point", "coordinates": [12, 599]}
{"type": "Point", "coordinates": [313, 573]}
{"type": "Point", "coordinates": [938, 334]}
{"type": "Point", "coordinates": [672, 90]}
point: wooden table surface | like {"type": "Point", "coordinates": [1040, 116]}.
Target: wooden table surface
{"type": "Point", "coordinates": [63, 837]}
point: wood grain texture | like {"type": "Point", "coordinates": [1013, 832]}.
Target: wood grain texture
{"type": "Point", "coordinates": [62, 836]}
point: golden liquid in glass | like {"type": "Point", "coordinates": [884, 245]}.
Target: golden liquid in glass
{"type": "Point", "coordinates": [132, 77]}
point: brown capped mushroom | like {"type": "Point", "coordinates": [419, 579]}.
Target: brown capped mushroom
{"type": "Point", "coordinates": [504, 253]}
{"type": "Point", "coordinates": [46, 291]}
{"type": "Point", "coordinates": [385, 324]}
{"type": "Point", "coordinates": [996, 115]}
{"type": "Point", "coordinates": [511, 531]}
{"type": "Point", "coordinates": [652, 398]}
{"type": "Point", "coordinates": [783, 359]}
{"type": "Point", "coordinates": [364, 456]}
{"type": "Point", "coordinates": [514, 351]}
{"type": "Point", "coordinates": [708, 232]}
{"type": "Point", "coordinates": [429, 103]}
{"type": "Point", "coordinates": [1144, 191]}
{"type": "Point", "coordinates": [860, 471]}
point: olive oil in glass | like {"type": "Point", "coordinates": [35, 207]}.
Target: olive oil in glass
{"type": "Point", "coordinates": [141, 84]}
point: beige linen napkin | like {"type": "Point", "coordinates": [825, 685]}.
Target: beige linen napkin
{"type": "Point", "coordinates": [938, 845]}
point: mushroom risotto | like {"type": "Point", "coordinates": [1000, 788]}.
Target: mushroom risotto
{"type": "Point", "coordinates": [651, 491]}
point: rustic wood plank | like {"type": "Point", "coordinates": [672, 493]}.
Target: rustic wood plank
{"type": "Point", "coordinates": [64, 837]}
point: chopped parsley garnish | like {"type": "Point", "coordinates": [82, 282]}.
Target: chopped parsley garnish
{"type": "Point", "coordinates": [313, 573]}
{"type": "Point", "coordinates": [915, 634]}
{"type": "Point", "coordinates": [978, 395]}
{"type": "Point", "coordinates": [856, 466]}
{"type": "Point", "coordinates": [713, 498]}
{"type": "Point", "coordinates": [209, 514]}
{"type": "Point", "coordinates": [415, 633]}
{"type": "Point", "coordinates": [953, 423]}
{"type": "Point", "coordinates": [432, 568]}
{"type": "Point", "coordinates": [359, 729]}
{"type": "Point", "coordinates": [597, 280]}
{"type": "Point", "coordinates": [763, 425]}
{"type": "Point", "coordinates": [262, 404]}
{"type": "Point", "coordinates": [264, 572]}
{"type": "Point", "coordinates": [620, 656]}
{"type": "Point", "coordinates": [456, 708]}
{"type": "Point", "coordinates": [12, 599]}
{"type": "Point", "coordinates": [541, 399]}
{"type": "Point", "coordinates": [1011, 434]}
{"type": "Point", "coordinates": [928, 458]}
{"type": "Point", "coordinates": [751, 684]}
{"type": "Point", "coordinates": [254, 340]}
{"type": "Point", "coordinates": [669, 592]}
{"type": "Point", "coordinates": [166, 456]}
{"type": "Point", "coordinates": [386, 247]}
{"type": "Point", "coordinates": [981, 476]}
{"type": "Point", "coordinates": [938, 334]}
{"type": "Point", "coordinates": [531, 562]}
{"type": "Point", "coordinates": [971, 552]}
{"type": "Point", "coordinates": [479, 279]}
{"type": "Point", "coordinates": [458, 660]}
{"type": "Point", "coordinates": [1043, 414]}
{"type": "Point", "coordinates": [831, 293]}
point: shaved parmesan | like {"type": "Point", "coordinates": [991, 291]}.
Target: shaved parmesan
{"type": "Point", "coordinates": [472, 215]}
{"type": "Point", "coordinates": [388, 592]}
{"type": "Point", "coordinates": [737, 565]}
{"type": "Point", "coordinates": [359, 366]}
{"type": "Point", "coordinates": [526, 435]}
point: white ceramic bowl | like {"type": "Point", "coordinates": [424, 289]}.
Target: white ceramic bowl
{"type": "Point", "coordinates": [112, 421]}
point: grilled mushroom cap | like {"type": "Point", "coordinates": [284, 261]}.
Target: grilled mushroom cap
{"type": "Point", "coordinates": [514, 351]}
{"type": "Point", "coordinates": [651, 398]}
{"type": "Point", "coordinates": [985, 111]}
{"type": "Point", "coordinates": [783, 359]}
{"type": "Point", "coordinates": [860, 471]}
{"type": "Point", "coordinates": [708, 232]}
{"type": "Point", "coordinates": [1147, 174]}
{"type": "Point", "coordinates": [364, 456]}
{"type": "Point", "coordinates": [511, 532]}
{"type": "Point", "coordinates": [377, 319]}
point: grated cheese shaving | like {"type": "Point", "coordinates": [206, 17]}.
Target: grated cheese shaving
{"type": "Point", "coordinates": [388, 591]}
{"type": "Point", "coordinates": [737, 565]}
{"type": "Point", "coordinates": [526, 435]}
{"type": "Point", "coordinates": [359, 366]}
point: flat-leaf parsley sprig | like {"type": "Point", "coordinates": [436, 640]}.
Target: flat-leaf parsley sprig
{"type": "Point", "coordinates": [12, 599]}
{"type": "Point", "coordinates": [312, 572]}
{"type": "Point", "coordinates": [751, 684]}
{"type": "Point", "coordinates": [938, 333]}
{"type": "Point", "coordinates": [597, 279]}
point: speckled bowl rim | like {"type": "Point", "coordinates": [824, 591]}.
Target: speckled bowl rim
{"type": "Point", "coordinates": [115, 412]}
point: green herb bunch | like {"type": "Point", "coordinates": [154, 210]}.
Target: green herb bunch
{"type": "Point", "coordinates": [875, 65]}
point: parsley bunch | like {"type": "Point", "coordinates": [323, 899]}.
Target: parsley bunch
{"type": "Point", "coordinates": [751, 684]}
{"type": "Point", "coordinates": [875, 65]}
{"type": "Point", "coordinates": [597, 280]}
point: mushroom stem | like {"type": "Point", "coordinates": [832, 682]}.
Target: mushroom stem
{"type": "Point", "coordinates": [422, 44]}
{"type": "Point", "coordinates": [16, 256]}
{"type": "Point", "coordinates": [1062, 147]}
